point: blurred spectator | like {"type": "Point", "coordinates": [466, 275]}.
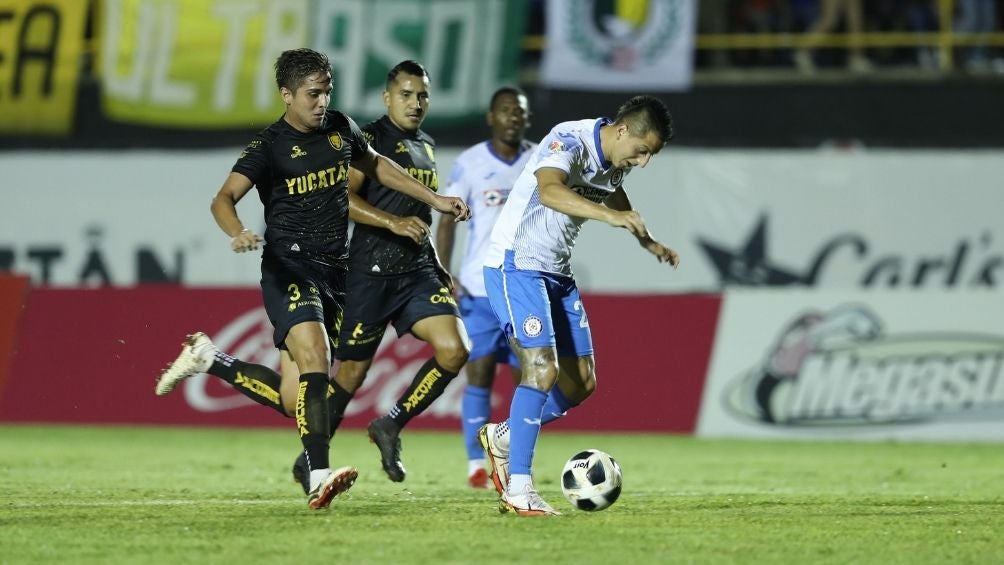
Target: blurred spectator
{"type": "Point", "coordinates": [712, 18]}
{"type": "Point", "coordinates": [913, 16]}
{"type": "Point", "coordinates": [758, 16]}
{"type": "Point", "coordinates": [830, 13]}
{"type": "Point", "coordinates": [976, 16]}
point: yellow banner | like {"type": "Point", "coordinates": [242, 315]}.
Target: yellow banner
{"type": "Point", "coordinates": [41, 43]}
{"type": "Point", "coordinates": [196, 63]}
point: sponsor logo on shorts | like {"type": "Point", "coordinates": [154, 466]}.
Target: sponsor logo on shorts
{"type": "Point", "coordinates": [443, 296]}
{"type": "Point", "coordinates": [532, 326]}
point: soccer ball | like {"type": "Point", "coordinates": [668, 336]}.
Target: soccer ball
{"type": "Point", "coordinates": [591, 480]}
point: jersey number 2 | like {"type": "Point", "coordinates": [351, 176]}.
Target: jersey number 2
{"type": "Point", "coordinates": [583, 322]}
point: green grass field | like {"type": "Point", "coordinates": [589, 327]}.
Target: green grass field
{"type": "Point", "coordinates": [153, 495]}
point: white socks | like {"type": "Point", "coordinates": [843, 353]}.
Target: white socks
{"type": "Point", "coordinates": [318, 475]}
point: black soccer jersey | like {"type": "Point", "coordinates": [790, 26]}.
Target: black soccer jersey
{"type": "Point", "coordinates": [379, 251]}
{"type": "Point", "coordinates": [302, 181]}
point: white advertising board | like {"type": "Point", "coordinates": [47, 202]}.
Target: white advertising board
{"type": "Point", "coordinates": [855, 365]}
{"type": "Point", "coordinates": [864, 220]}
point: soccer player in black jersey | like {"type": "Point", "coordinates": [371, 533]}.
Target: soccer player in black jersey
{"type": "Point", "coordinates": [300, 165]}
{"type": "Point", "coordinates": [395, 276]}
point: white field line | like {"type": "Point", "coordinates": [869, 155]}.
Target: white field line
{"type": "Point", "coordinates": [141, 503]}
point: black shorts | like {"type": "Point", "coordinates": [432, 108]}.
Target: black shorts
{"type": "Point", "coordinates": [374, 301]}
{"type": "Point", "coordinates": [297, 291]}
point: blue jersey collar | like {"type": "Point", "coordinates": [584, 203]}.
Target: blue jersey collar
{"type": "Point", "coordinates": [491, 150]}
{"type": "Point", "coordinates": [600, 122]}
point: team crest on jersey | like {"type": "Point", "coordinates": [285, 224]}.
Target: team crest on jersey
{"type": "Point", "coordinates": [617, 178]}
{"type": "Point", "coordinates": [532, 326]}
{"type": "Point", "coordinates": [429, 150]}
{"type": "Point", "coordinates": [556, 146]}
{"type": "Point", "coordinates": [493, 197]}
{"type": "Point", "coordinates": [335, 139]}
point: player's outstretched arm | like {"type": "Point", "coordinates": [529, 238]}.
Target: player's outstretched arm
{"type": "Point", "coordinates": [445, 234]}
{"type": "Point", "coordinates": [555, 194]}
{"type": "Point", "coordinates": [391, 175]}
{"type": "Point", "coordinates": [442, 271]}
{"type": "Point", "coordinates": [224, 209]}
{"type": "Point", "coordinates": [362, 212]}
{"type": "Point", "coordinates": [619, 201]}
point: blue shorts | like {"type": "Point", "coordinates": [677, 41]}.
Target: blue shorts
{"type": "Point", "coordinates": [539, 309]}
{"type": "Point", "coordinates": [485, 332]}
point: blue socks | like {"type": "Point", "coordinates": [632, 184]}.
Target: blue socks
{"type": "Point", "coordinates": [475, 408]}
{"type": "Point", "coordinates": [556, 406]}
{"type": "Point", "coordinates": [525, 417]}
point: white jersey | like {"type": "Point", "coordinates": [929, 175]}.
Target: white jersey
{"type": "Point", "coordinates": [540, 238]}
{"type": "Point", "coordinates": [483, 179]}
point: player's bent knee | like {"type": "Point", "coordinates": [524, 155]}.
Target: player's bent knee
{"type": "Point", "coordinates": [351, 375]}
{"type": "Point", "coordinates": [452, 356]}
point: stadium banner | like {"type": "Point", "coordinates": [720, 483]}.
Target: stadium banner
{"type": "Point", "coordinates": [469, 48]}
{"type": "Point", "coordinates": [619, 45]}
{"type": "Point", "coordinates": [92, 356]}
{"type": "Point", "coordinates": [881, 365]}
{"type": "Point", "coordinates": [208, 64]}
{"type": "Point", "coordinates": [196, 63]}
{"type": "Point", "coordinates": [41, 47]}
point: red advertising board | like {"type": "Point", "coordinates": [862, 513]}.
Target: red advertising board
{"type": "Point", "coordinates": [92, 356]}
{"type": "Point", "coordinates": [13, 289]}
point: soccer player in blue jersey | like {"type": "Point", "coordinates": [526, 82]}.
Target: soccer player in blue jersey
{"type": "Point", "coordinates": [577, 173]}
{"type": "Point", "coordinates": [482, 176]}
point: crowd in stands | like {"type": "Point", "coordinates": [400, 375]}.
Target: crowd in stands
{"type": "Point", "coordinates": [815, 17]}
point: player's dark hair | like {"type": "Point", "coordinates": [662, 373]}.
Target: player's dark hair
{"type": "Point", "coordinates": [407, 67]}
{"type": "Point", "coordinates": [643, 114]}
{"type": "Point", "coordinates": [514, 90]}
{"type": "Point", "coordinates": [294, 66]}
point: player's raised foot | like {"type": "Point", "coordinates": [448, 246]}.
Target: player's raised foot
{"type": "Point", "coordinates": [196, 357]}
{"type": "Point", "coordinates": [478, 479]}
{"type": "Point", "coordinates": [339, 481]}
{"type": "Point", "coordinates": [301, 474]}
{"type": "Point", "coordinates": [498, 457]}
{"type": "Point", "coordinates": [526, 503]}
{"type": "Point", "coordinates": [386, 435]}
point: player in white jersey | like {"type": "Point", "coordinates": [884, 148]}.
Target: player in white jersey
{"type": "Point", "coordinates": [577, 173]}
{"type": "Point", "coordinates": [482, 176]}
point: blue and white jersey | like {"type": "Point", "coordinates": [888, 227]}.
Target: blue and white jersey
{"type": "Point", "coordinates": [483, 179]}
{"type": "Point", "coordinates": [541, 238]}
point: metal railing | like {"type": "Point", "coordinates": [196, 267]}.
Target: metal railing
{"type": "Point", "coordinates": [945, 40]}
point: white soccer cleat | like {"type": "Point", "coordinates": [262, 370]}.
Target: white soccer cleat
{"type": "Point", "coordinates": [196, 357]}
{"type": "Point", "coordinates": [498, 457]}
{"type": "Point", "coordinates": [526, 503]}
{"type": "Point", "coordinates": [337, 482]}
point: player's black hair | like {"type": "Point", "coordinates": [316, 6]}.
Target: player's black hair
{"type": "Point", "coordinates": [514, 90]}
{"type": "Point", "coordinates": [408, 67]}
{"type": "Point", "coordinates": [294, 66]}
{"type": "Point", "coordinates": [643, 114]}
